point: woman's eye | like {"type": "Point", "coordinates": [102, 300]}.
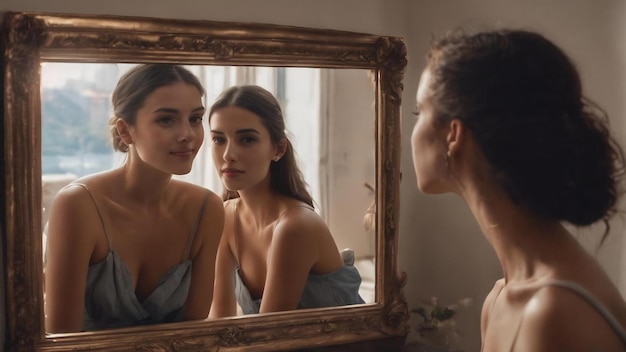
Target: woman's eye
{"type": "Point", "coordinates": [218, 140]}
{"type": "Point", "coordinates": [248, 139]}
{"type": "Point", "coordinates": [196, 119]}
{"type": "Point", "coordinates": [416, 113]}
{"type": "Point", "coordinates": [165, 120]}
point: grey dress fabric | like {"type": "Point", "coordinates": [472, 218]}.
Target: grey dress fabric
{"type": "Point", "coordinates": [111, 301]}
{"type": "Point", "coordinates": [338, 288]}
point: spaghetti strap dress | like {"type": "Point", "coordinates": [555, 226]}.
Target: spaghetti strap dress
{"type": "Point", "coordinates": [111, 301]}
{"type": "Point", "coordinates": [337, 288]}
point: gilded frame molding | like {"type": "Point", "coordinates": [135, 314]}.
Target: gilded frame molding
{"type": "Point", "coordinates": [30, 38]}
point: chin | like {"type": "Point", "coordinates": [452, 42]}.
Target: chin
{"type": "Point", "coordinates": [430, 188]}
{"type": "Point", "coordinates": [181, 172]}
{"type": "Point", "coordinates": [231, 186]}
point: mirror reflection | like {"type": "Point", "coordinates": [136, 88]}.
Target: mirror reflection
{"type": "Point", "coordinates": [329, 119]}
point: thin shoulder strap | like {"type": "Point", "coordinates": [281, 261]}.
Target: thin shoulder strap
{"type": "Point", "coordinates": [235, 232]}
{"type": "Point", "coordinates": [194, 230]}
{"type": "Point", "coordinates": [595, 303]}
{"type": "Point", "coordinates": [493, 304]}
{"type": "Point", "coordinates": [589, 298]}
{"type": "Point", "coordinates": [86, 188]}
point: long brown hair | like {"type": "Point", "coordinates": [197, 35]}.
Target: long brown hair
{"type": "Point", "coordinates": [285, 176]}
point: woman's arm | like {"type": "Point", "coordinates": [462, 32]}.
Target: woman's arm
{"type": "Point", "coordinates": [203, 269]}
{"type": "Point", "coordinates": [224, 301]}
{"type": "Point", "coordinates": [293, 252]}
{"type": "Point", "coordinates": [72, 227]}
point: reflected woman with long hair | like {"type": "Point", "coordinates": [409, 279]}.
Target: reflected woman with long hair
{"type": "Point", "coordinates": [276, 252]}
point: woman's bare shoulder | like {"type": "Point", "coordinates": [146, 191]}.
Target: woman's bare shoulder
{"type": "Point", "coordinates": [300, 229]}
{"type": "Point", "coordinates": [90, 186]}
{"type": "Point", "coordinates": [558, 318]}
{"type": "Point", "coordinates": [300, 218]}
{"type": "Point", "coordinates": [74, 194]}
{"type": "Point", "coordinates": [73, 214]}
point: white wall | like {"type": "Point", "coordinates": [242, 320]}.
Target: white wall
{"type": "Point", "coordinates": [441, 248]}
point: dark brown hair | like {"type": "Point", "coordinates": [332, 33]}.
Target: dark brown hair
{"type": "Point", "coordinates": [136, 85]}
{"type": "Point", "coordinates": [521, 97]}
{"type": "Point", "coordinates": [285, 176]}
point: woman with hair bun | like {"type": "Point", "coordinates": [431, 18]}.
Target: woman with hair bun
{"type": "Point", "coordinates": [132, 246]}
{"type": "Point", "coordinates": [503, 123]}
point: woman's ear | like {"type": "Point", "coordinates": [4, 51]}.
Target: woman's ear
{"type": "Point", "coordinates": [124, 131]}
{"type": "Point", "coordinates": [456, 136]}
{"type": "Point", "coordinates": [280, 149]}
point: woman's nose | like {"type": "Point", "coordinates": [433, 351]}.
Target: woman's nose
{"type": "Point", "coordinates": [230, 152]}
{"type": "Point", "coordinates": [186, 133]}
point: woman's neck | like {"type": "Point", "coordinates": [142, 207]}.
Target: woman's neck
{"type": "Point", "coordinates": [143, 184]}
{"type": "Point", "coordinates": [263, 204]}
{"type": "Point", "coordinates": [527, 246]}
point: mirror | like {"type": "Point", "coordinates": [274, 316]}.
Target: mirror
{"type": "Point", "coordinates": [35, 44]}
{"type": "Point", "coordinates": [330, 120]}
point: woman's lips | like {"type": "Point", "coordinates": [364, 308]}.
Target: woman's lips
{"type": "Point", "coordinates": [230, 172]}
{"type": "Point", "coordinates": [183, 153]}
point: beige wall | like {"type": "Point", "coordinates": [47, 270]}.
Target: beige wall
{"type": "Point", "coordinates": [441, 248]}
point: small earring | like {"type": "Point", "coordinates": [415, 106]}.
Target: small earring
{"type": "Point", "coordinates": [276, 158]}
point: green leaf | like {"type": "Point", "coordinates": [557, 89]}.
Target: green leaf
{"type": "Point", "coordinates": [442, 313]}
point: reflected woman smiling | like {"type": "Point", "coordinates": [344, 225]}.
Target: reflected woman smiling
{"type": "Point", "coordinates": [132, 246]}
{"type": "Point", "coordinates": [275, 248]}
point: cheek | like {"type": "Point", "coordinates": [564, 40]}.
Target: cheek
{"type": "Point", "coordinates": [216, 153]}
{"type": "Point", "coordinates": [200, 136]}
{"type": "Point", "coordinates": [415, 149]}
{"type": "Point", "coordinates": [427, 157]}
{"type": "Point", "coordinates": [417, 137]}
{"type": "Point", "coordinates": [414, 133]}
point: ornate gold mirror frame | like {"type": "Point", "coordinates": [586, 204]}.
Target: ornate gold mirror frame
{"type": "Point", "coordinates": [31, 38]}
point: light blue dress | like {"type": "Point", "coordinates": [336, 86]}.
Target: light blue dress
{"type": "Point", "coordinates": [337, 288]}
{"type": "Point", "coordinates": [111, 301]}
